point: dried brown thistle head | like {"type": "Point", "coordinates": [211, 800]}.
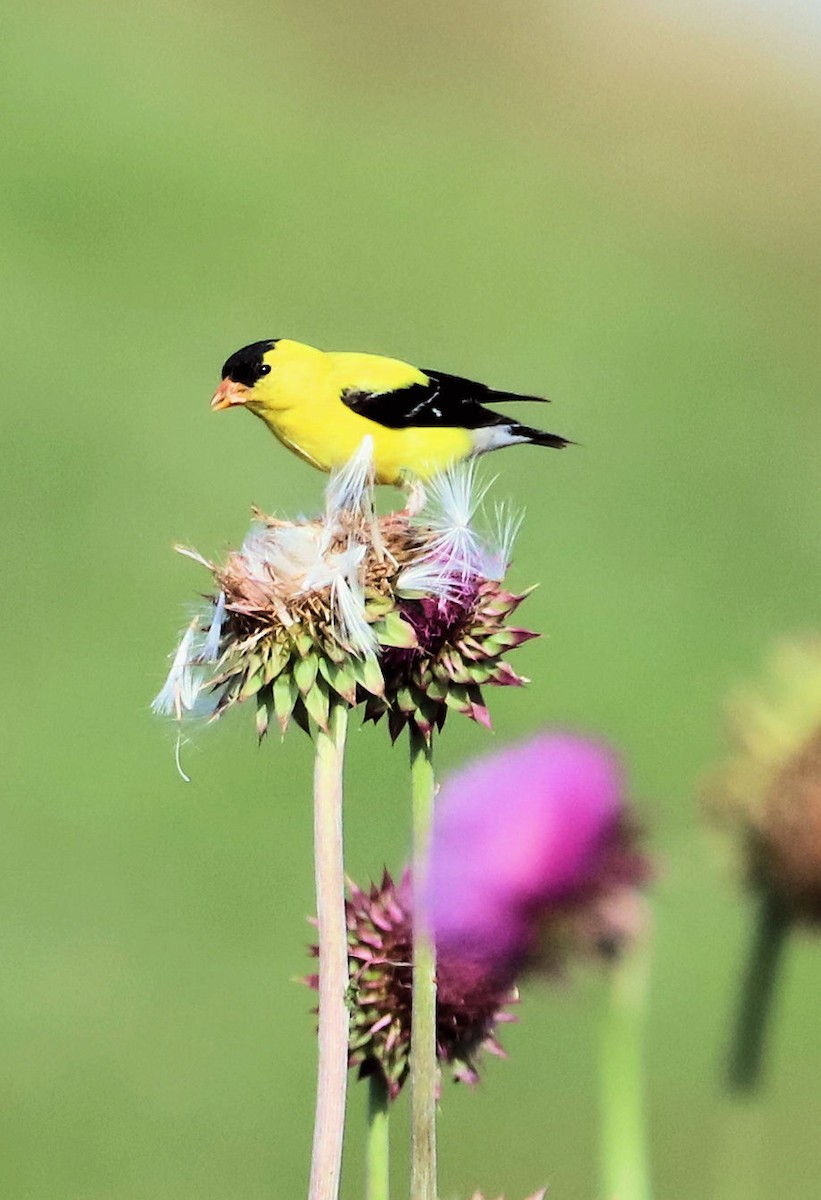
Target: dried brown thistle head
{"type": "Point", "coordinates": [406, 616]}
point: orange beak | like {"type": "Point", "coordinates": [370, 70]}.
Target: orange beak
{"type": "Point", "coordinates": [228, 394]}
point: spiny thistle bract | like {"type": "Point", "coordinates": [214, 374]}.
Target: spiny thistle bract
{"type": "Point", "coordinates": [769, 791]}
{"type": "Point", "coordinates": [470, 1002]}
{"type": "Point", "coordinates": [403, 615]}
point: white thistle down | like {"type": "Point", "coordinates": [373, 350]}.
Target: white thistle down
{"type": "Point", "coordinates": [348, 599]}
{"type": "Point", "coordinates": [350, 488]}
{"type": "Point", "coordinates": [453, 501]}
{"type": "Point", "coordinates": [505, 526]}
{"type": "Point", "coordinates": [458, 552]}
{"type": "Point", "coordinates": [178, 694]}
{"type": "Point", "coordinates": [285, 553]}
{"type": "Point", "coordinates": [211, 646]}
{"type": "Point", "coordinates": [305, 557]}
{"type": "Point", "coordinates": [342, 572]}
{"type": "Point", "coordinates": [198, 650]}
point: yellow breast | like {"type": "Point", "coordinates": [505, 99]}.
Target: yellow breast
{"type": "Point", "coordinates": [302, 407]}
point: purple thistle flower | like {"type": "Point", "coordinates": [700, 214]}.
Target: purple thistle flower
{"type": "Point", "coordinates": [531, 847]}
{"type": "Point", "coordinates": [532, 858]}
{"type": "Point", "coordinates": [471, 1001]}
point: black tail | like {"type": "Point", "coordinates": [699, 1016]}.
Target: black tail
{"type": "Point", "coordinates": [495, 397]}
{"type": "Point", "coordinates": [538, 437]}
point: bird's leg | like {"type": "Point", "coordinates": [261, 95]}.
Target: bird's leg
{"type": "Point", "coordinates": [416, 497]}
{"type": "Point", "coordinates": [377, 541]}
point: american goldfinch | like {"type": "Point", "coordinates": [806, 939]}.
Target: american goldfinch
{"type": "Point", "coordinates": [321, 405]}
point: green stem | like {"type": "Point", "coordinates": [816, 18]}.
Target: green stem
{"type": "Point", "coordinates": [743, 1150]}
{"type": "Point", "coordinates": [624, 1160]}
{"type": "Point", "coordinates": [423, 1039]}
{"type": "Point", "coordinates": [757, 995]}
{"type": "Point", "coordinates": [332, 1073]}
{"type": "Point", "coordinates": [378, 1185]}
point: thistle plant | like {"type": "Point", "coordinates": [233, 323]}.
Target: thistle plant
{"type": "Point", "coordinates": [535, 863]}
{"type": "Point", "coordinates": [535, 860]}
{"type": "Point", "coordinates": [470, 1005]}
{"type": "Point", "coordinates": [404, 616]}
{"type": "Point", "coordinates": [768, 795]}
{"type": "Point", "coordinates": [471, 1001]}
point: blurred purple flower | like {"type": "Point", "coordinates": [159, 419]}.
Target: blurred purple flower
{"type": "Point", "coordinates": [532, 859]}
{"type": "Point", "coordinates": [532, 846]}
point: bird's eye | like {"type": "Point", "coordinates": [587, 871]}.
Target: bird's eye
{"type": "Point", "coordinates": [265, 369]}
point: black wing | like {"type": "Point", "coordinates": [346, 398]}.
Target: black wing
{"type": "Point", "coordinates": [479, 391]}
{"type": "Point", "coordinates": [445, 400]}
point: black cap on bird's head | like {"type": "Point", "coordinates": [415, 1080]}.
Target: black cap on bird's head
{"type": "Point", "coordinates": [240, 372]}
{"type": "Point", "coordinates": [246, 366]}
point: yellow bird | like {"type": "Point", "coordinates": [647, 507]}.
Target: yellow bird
{"type": "Point", "coordinates": [321, 405]}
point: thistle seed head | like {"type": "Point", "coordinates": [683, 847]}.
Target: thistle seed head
{"type": "Point", "coordinates": [769, 790]}
{"type": "Point", "coordinates": [406, 616]}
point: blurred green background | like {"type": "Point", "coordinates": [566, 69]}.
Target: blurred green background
{"type": "Point", "coordinates": [613, 203]}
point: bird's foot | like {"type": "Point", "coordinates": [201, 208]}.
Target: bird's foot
{"type": "Point", "coordinates": [417, 498]}
{"type": "Point", "coordinates": [378, 543]}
